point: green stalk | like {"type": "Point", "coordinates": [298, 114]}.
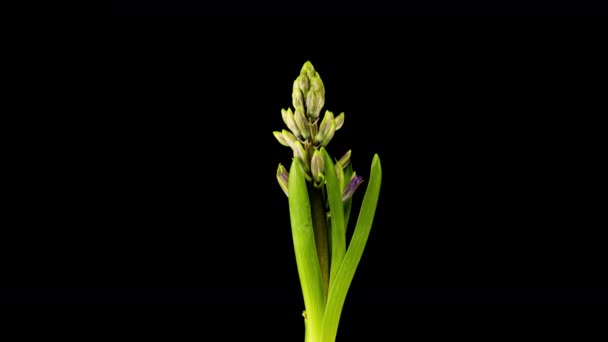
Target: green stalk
{"type": "Point", "coordinates": [319, 219]}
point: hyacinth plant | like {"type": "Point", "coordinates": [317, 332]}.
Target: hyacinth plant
{"type": "Point", "coordinates": [320, 192]}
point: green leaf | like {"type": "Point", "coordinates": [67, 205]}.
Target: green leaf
{"type": "Point", "coordinates": [339, 288]}
{"type": "Point", "coordinates": [338, 231]}
{"type": "Point", "coordinates": [309, 269]}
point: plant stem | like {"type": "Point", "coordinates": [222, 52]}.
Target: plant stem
{"type": "Point", "coordinates": [319, 221]}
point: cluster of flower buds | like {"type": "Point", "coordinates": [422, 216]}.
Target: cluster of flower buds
{"type": "Point", "coordinates": [308, 99]}
{"type": "Point", "coordinates": [308, 90]}
{"type": "Point", "coordinates": [305, 135]}
{"type": "Point", "coordinates": [307, 131]}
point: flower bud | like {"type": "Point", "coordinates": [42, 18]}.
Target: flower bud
{"type": "Point", "coordinates": [308, 71]}
{"type": "Point", "coordinates": [288, 137]}
{"type": "Point", "coordinates": [281, 138]}
{"type": "Point", "coordinates": [345, 159]}
{"type": "Point", "coordinates": [297, 98]}
{"type": "Point", "coordinates": [327, 118]}
{"type": "Point", "coordinates": [316, 84]}
{"type": "Point", "coordinates": [300, 153]}
{"type": "Point", "coordinates": [324, 128]}
{"type": "Point", "coordinates": [330, 134]}
{"type": "Point", "coordinates": [314, 104]}
{"type": "Point", "coordinates": [351, 187]}
{"type": "Point", "coordinates": [283, 178]}
{"type": "Point", "coordinates": [289, 120]}
{"type": "Point", "coordinates": [302, 124]}
{"type": "Point", "coordinates": [317, 166]}
{"type": "Point", "coordinates": [340, 176]}
{"type": "Point", "coordinates": [311, 103]}
{"type": "Point", "coordinates": [306, 68]}
{"type": "Point", "coordinates": [339, 121]}
{"type": "Point", "coordinates": [303, 83]}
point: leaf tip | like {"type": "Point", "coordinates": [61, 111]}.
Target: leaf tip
{"type": "Point", "coordinates": [376, 160]}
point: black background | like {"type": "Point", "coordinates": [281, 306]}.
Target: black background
{"type": "Point", "coordinates": [341, 8]}
{"type": "Point", "coordinates": [147, 172]}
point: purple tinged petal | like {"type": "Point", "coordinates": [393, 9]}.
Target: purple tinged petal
{"type": "Point", "coordinates": [284, 176]}
{"type": "Point", "coordinates": [351, 187]}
